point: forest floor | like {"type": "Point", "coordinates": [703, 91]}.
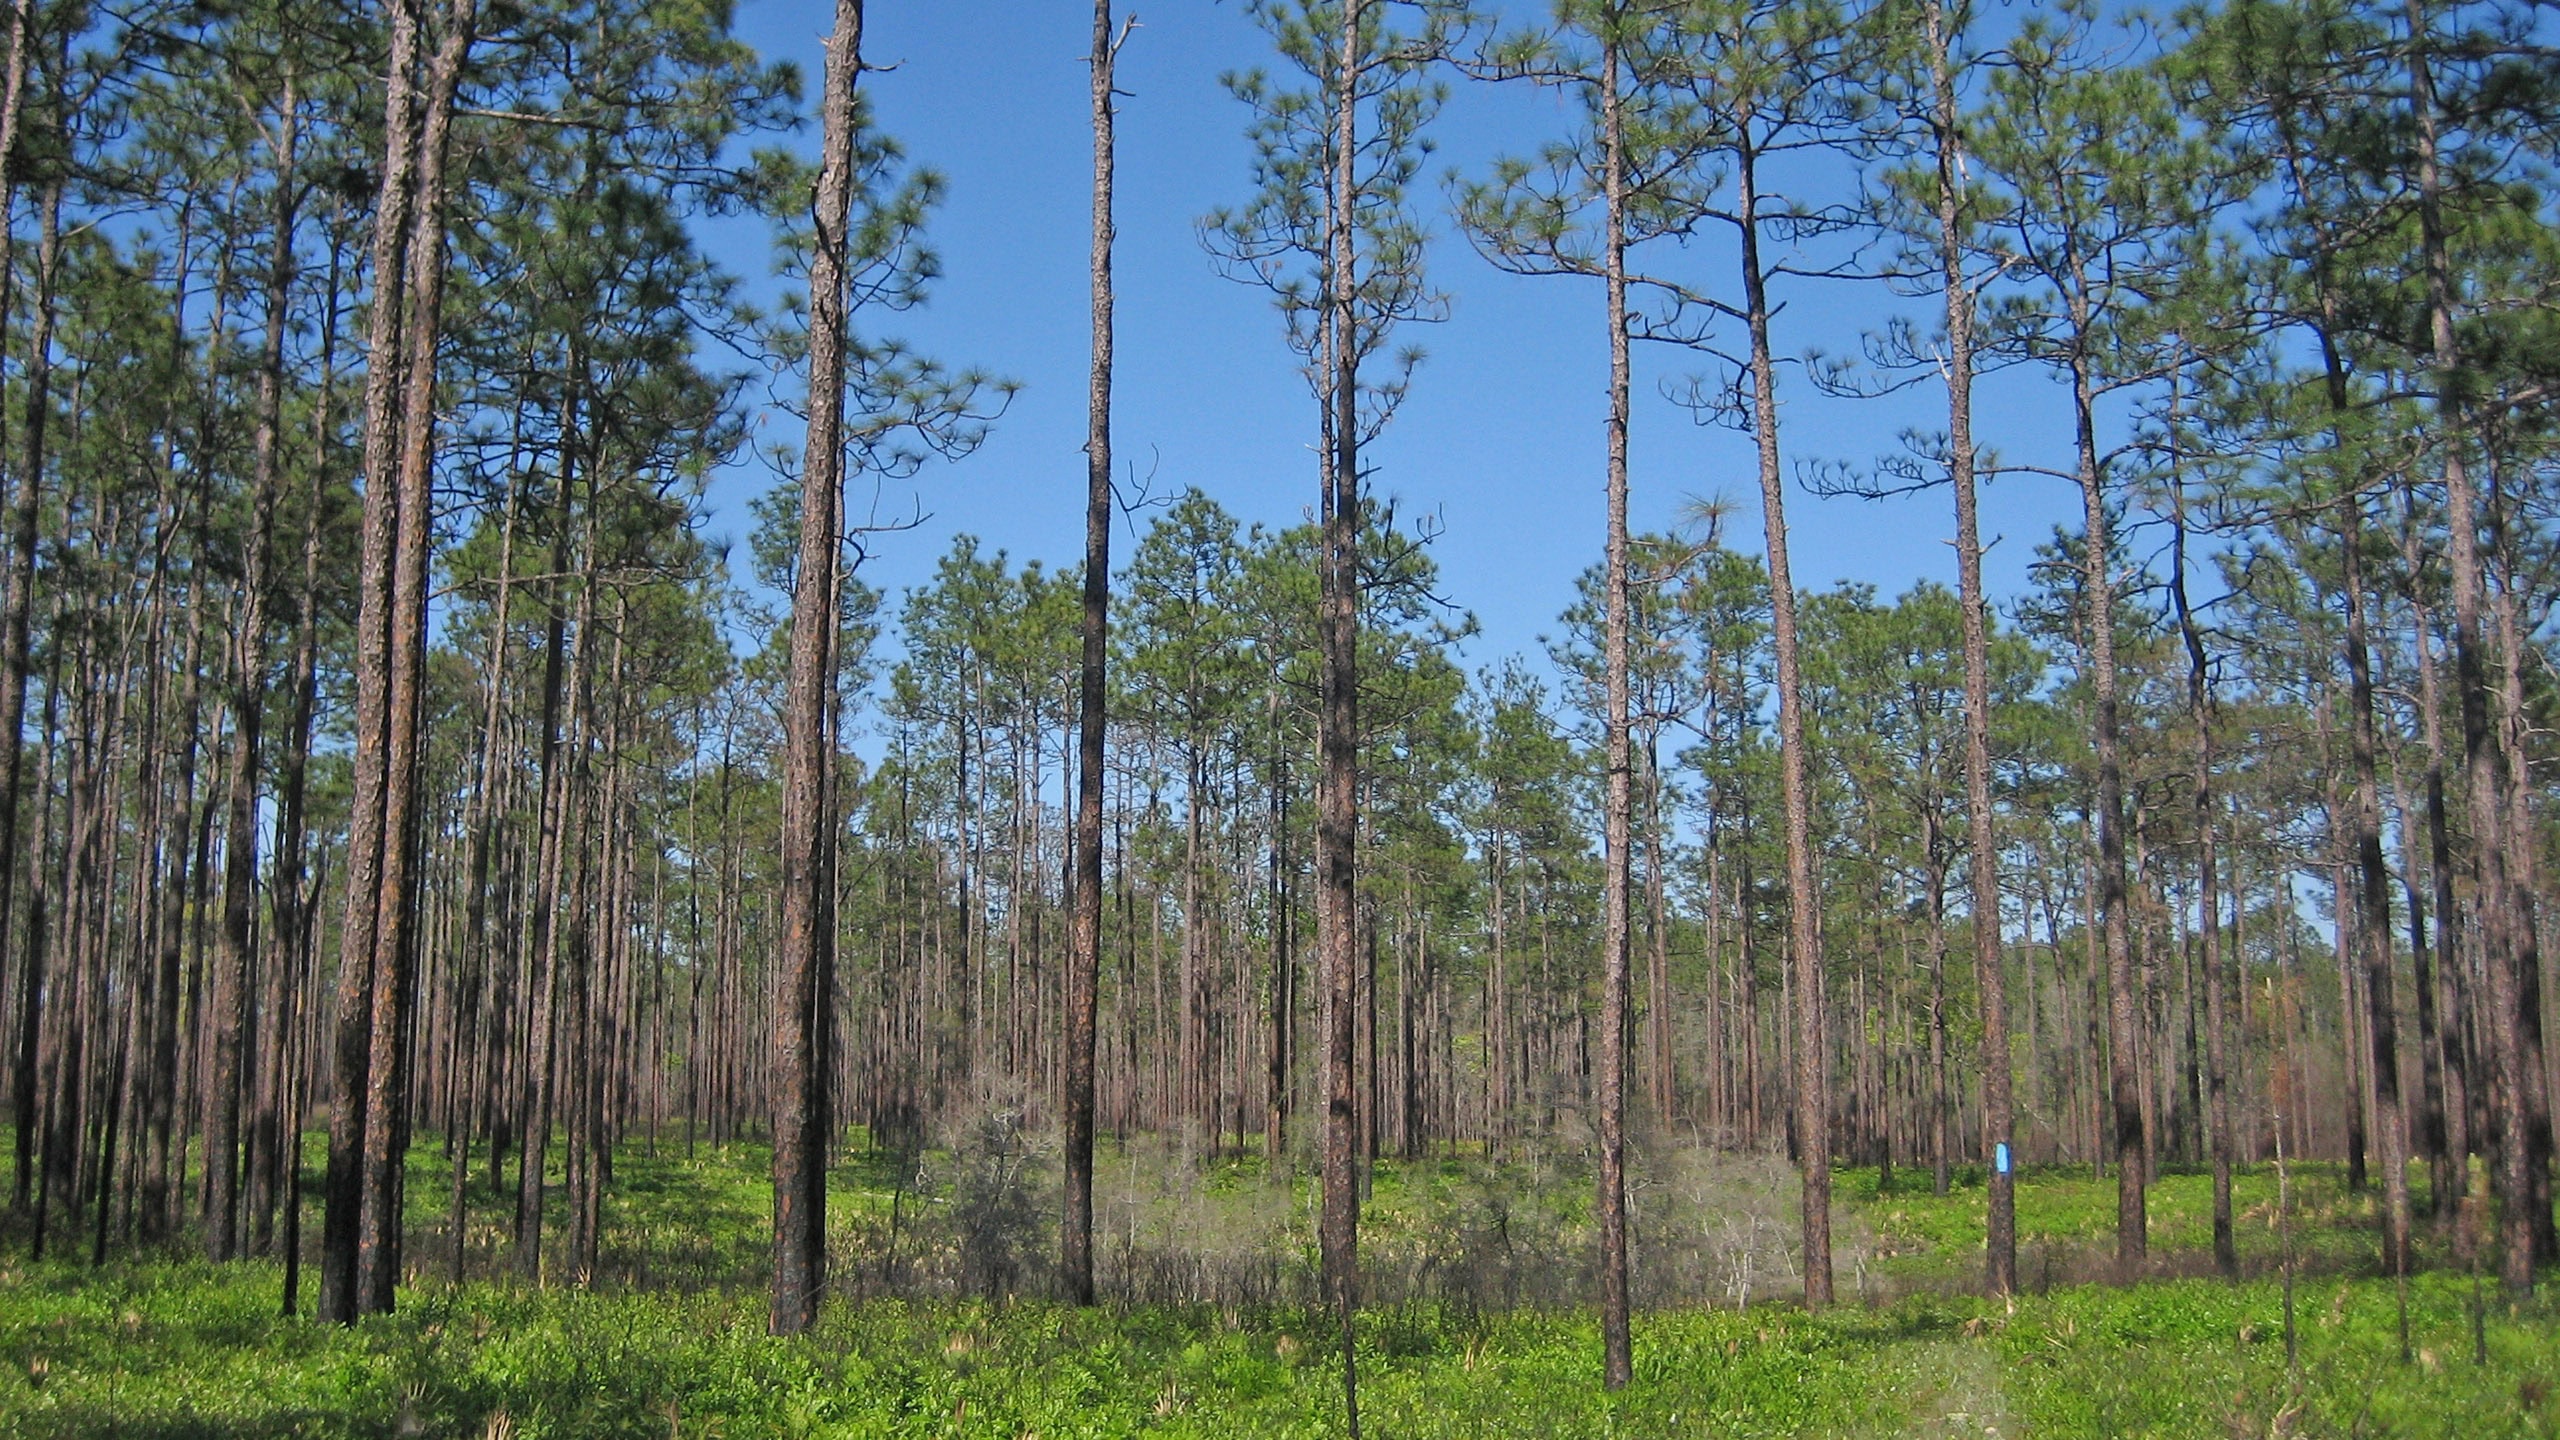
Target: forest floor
{"type": "Point", "coordinates": [670, 1339]}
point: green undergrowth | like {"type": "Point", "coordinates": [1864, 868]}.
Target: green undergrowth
{"type": "Point", "coordinates": [2067, 1223]}
{"type": "Point", "coordinates": [669, 1341]}
{"type": "Point", "coordinates": [170, 1348]}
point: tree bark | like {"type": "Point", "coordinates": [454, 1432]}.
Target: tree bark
{"type": "Point", "coordinates": [2452, 992]}
{"type": "Point", "coordinates": [2373, 900]}
{"type": "Point", "coordinates": [1337, 719]}
{"type": "Point", "coordinates": [1617, 1366]}
{"type": "Point", "coordinates": [2000, 1250]}
{"type": "Point", "coordinates": [1804, 903]}
{"type": "Point", "coordinates": [805, 959]}
{"type": "Point", "coordinates": [2482, 768]}
{"type": "Point", "coordinates": [2226, 1255]}
{"type": "Point", "coordinates": [353, 1051]}
{"type": "Point", "coordinates": [17, 608]}
{"type": "Point", "coordinates": [2513, 722]}
{"type": "Point", "coordinates": [394, 998]}
{"type": "Point", "coordinates": [1084, 965]}
{"type": "Point", "coordinates": [361, 1228]}
{"type": "Point", "coordinates": [2131, 1136]}
{"type": "Point", "coordinates": [231, 1012]}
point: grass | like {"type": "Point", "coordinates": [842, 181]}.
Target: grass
{"type": "Point", "coordinates": [671, 1343]}
{"type": "Point", "coordinates": [2067, 1223]}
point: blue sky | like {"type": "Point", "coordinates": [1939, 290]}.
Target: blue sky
{"type": "Point", "coordinates": [1501, 437]}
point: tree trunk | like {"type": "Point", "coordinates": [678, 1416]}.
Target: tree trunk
{"type": "Point", "coordinates": [1617, 1359]}
{"type": "Point", "coordinates": [2226, 1255]}
{"type": "Point", "coordinates": [2373, 901]}
{"type": "Point", "coordinates": [2131, 1139]}
{"type": "Point", "coordinates": [1662, 1066]}
{"type": "Point", "coordinates": [1941, 1091]}
{"type": "Point", "coordinates": [489, 788]}
{"type": "Point", "coordinates": [805, 960]}
{"type": "Point", "coordinates": [17, 609]}
{"type": "Point", "coordinates": [294, 929]}
{"type": "Point", "coordinates": [2513, 722]}
{"type": "Point", "coordinates": [2453, 992]}
{"type": "Point", "coordinates": [231, 990]}
{"type": "Point", "coordinates": [1337, 719]}
{"type": "Point", "coordinates": [1084, 964]}
{"type": "Point", "coordinates": [360, 1240]}
{"type": "Point", "coordinates": [2000, 1258]}
{"type": "Point", "coordinates": [1804, 914]}
{"type": "Point", "coordinates": [2483, 772]}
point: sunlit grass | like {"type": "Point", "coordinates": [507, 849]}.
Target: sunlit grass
{"type": "Point", "coordinates": [165, 1346]}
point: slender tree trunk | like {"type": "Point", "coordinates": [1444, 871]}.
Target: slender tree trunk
{"type": "Point", "coordinates": [806, 957]}
{"type": "Point", "coordinates": [366, 861]}
{"type": "Point", "coordinates": [595, 944]}
{"type": "Point", "coordinates": [1804, 906]}
{"type": "Point", "coordinates": [1662, 1068]}
{"type": "Point", "coordinates": [488, 789]}
{"type": "Point", "coordinates": [1337, 720]}
{"type": "Point", "coordinates": [1497, 1013]}
{"type": "Point", "coordinates": [231, 990]}
{"type": "Point", "coordinates": [1194, 1110]}
{"type": "Point", "coordinates": [1284, 1014]}
{"type": "Point", "coordinates": [540, 965]}
{"type": "Point", "coordinates": [295, 929]}
{"type": "Point", "coordinates": [17, 609]}
{"type": "Point", "coordinates": [1617, 1359]}
{"type": "Point", "coordinates": [2373, 897]}
{"type": "Point", "coordinates": [2480, 751]}
{"type": "Point", "coordinates": [155, 995]}
{"type": "Point", "coordinates": [2000, 1259]}
{"type": "Point", "coordinates": [2431, 1126]}
{"type": "Point", "coordinates": [2454, 1000]}
{"type": "Point", "coordinates": [396, 911]}
{"type": "Point", "coordinates": [1941, 1090]}
{"type": "Point", "coordinates": [2513, 722]}
{"type": "Point", "coordinates": [353, 1050]}
{"type": "Point", "coordinates": [2124, 1010]}
{"type": "Point", "coordinates": [2226, 1255]}
{"type": "Point", "coordinates": [1084, 962]}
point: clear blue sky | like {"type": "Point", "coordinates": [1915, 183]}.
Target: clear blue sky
{"type": "Point", "coordinates": [1502, 434]}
